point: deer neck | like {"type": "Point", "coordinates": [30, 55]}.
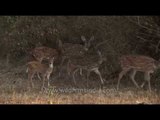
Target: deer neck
{"type": "Point", "coordinates": [100, 61]}
{"type": "Point", "coordinates": [51, 65]}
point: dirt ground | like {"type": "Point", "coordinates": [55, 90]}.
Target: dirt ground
{"type": "Point", "coordinates": [14, 89]}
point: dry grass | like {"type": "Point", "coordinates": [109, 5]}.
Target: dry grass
{"type": "Point", "coordinates": [127, 97]}
{"type": "Point", "coordinates": [14, 90]}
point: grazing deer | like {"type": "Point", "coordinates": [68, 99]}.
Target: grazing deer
{"type": "Point", "coordinates": [137, 63]}
{"type": "Point", "coordinates": [43, 69]}
{"type": "Point", "coordinates": [69, 49]}
{"type": "Point", "coordinates": [88, 63]}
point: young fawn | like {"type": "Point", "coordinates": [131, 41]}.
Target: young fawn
{"type": "Point", "coordinates": [43, 69]}
{"type": "Point", "coordinates": [136, 63]}
{"type": "Point", "coordinates": [70, 49]}
{"type": "Point", "coordinates": [87, 63]}
{"type": "Point", "coordinates": [43, 53]}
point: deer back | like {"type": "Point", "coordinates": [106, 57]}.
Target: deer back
{"type": "Point", "coordinates": [41, 53]}
{"type": "Point", "coordinates": [141, 63]}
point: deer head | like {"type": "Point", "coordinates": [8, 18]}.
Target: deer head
{"type": "Point", "coordinates": [87, 44]}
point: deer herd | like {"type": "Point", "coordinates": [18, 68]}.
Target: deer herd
{"type": "Point", "coordinates": [78, 60]}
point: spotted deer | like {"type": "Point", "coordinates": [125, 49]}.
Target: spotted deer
{"type": "Point", "coordinates": [70, 49]}
{"type": "Point", "coordinates": [135, 63]}
{"type": "Point", "coordinates": [89, 63]}
{"type": "Point", "coordinates": [44, 53]}
{"type": "Point", "coordinates": [37, 67]}
{"type": "Point", "coordinates": [41, 53]}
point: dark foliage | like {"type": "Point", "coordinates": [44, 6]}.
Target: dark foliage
{"type": "Point", "coordinates": [118, 35]}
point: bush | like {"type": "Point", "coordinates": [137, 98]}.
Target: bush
{"type": "Point", "coordinates": [119, 34]}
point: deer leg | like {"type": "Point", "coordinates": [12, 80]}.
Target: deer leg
{"type": "Point", "coordinates": [88, 74]}
{"type": "Point", "coordinates": [123, 72]}
{"type": "Point", "coordinates": [63, 59]}
{"type": "Point", "coordinates": [147, 78]}
{"type": "Point", "coordinates": [27, 70]}
{"type": "Point", "coordinates": [30, 76]}
{"type": "Point", "coordinates": [80, 71]}
{"type": "Point", "coordinates": [98, 73]}
{"type": "Point", "coordinates": [7, 60]}
{"type": "Point", "coordinates": [43, 82]}
{"type": "Point", "coordinates": [132, 75]}
{"type": "Point", "coordinates": [38, 76]}
{"type": "Point", "coordinates": [68, 68]}
{"type": "Point", "coordinates": [48, 76]}
{"type": "Point", "coordinates": [74, 75]}
{"type": "Point", "coordinates": [143, 84]}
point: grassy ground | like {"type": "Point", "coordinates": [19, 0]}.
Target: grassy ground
{"type": "Point", "coordinates": [14, 89]}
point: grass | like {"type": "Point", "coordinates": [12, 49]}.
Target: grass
{"type": "Point", "coordinates": [14, 89]}
{"type": "Point", "coordinates": [99, 97]}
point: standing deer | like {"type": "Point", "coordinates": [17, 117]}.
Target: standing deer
{"type": "Point", "coordinates": [137, 63]}
{"type": "Point", "coordinates": [43, 69]}
{"type": "Point", "coordinates": [89, 63]}
{"type": "Point", "coordinates": [70, 49]}
{"type": "Point", "coordinates": [44, 53]}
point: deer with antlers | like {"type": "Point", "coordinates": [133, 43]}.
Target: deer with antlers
{"type": "Point", "coordinates": [135, 63]}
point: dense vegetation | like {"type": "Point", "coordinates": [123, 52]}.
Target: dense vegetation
{"type": "Point", "coordinates": [119, 34]}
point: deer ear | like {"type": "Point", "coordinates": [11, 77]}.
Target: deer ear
{"type": "Point", "coordinates": [59, 43]}
{"type": "Point", "coordinates": [92, 38]}
{"type": "Point", "coordinates": [99, 53]}
{"type": "Point", "coordinates": [83, 38]}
